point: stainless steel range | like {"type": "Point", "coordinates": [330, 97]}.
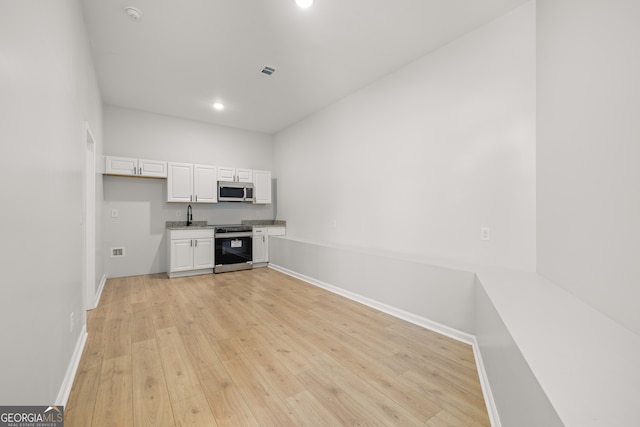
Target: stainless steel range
{"type": "Point", "coordinates": [234, 247]}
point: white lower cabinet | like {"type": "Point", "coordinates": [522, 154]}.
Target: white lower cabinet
{"type": "Point", "coordinates": [260, 246]}
{"type": "Point", "coordinates": [261, 243]}
{"type": "Point", "coordinates": [190, 252]}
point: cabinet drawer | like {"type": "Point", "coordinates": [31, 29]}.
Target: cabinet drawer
{"type": "Point", "coordinates": [277, 231]}
{"type": "Point", "coordinates": [190, 234]}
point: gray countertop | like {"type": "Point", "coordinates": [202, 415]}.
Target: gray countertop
{"type": "Point", "coordinates": [182, 225]}
{"type": "Point", "coordinates": [265, 222]}
{"type": "Point", "coordinates": [199, 225]}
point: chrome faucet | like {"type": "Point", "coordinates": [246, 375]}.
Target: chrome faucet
{"type": "Point", "coordinates": [189, 216]}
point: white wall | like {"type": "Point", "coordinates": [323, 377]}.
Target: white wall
{"type": "Point", "coordinates": [419, 161]}
{"type": "Point", "coordinates": [140, 202]}
{"type": "Point", "coordinates": [48, 90]}
{"type": "Point", "coordinates": [132, 133]}
{"type": "Point", "coordinates": [588, 151]}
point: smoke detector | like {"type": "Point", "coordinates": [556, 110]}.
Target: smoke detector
{"type": "Point", "coordinates": [133, 13]}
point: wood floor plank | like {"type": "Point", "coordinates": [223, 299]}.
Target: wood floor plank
{"type": "Point", "coordinates": [85, 390]}
{"type": "Point", "coordinates": [142, 328]}
{"type": "Point", "coordinates": [469, 408]}
{"type": "Point", "coordinates": [114, 395]}
{"type": "Point", "coordinates": [339, 402]}
{"type": "Point", "coordinates": [179, 374]}
{"type": "Point", "coordinates": [189, 405]}
{"type": "Point", "coordinates": [281, 382]}
{"type": "Point", "coordinates": [259, 348]}
{"type": "Point", "coordinates": [290, 354]}
{"type": "Point", "coordinates": [309, 411]}
{"type": "Point", "coordinates": [268, 409]}
{"type": "Point", "coordinates": [445, 419]}
{"type": "Point", "coordinates": [227, 404]}
{"type": "Point", "coordinates": [375, 403]}
{"type": "Point", "coordinates": [151, 402]}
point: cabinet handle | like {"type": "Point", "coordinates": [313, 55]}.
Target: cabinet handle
{"type": "Point", "coordinates": [191, 198]}
{"type": "Point", "coordinates": [191, 243]}
{"type": "Point", "coordinates": [135, 170]}
{"type": "Point", "coordinates": [196, 197]}
{"type": "Point", "coordinates": [196, 243]}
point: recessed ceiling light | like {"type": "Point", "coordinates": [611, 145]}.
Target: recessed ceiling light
{"type": "Point", "coordinates": [218, 106]}
{"type": "Point", "coordinates": [133, 13]}
{"type": "Point", "coordinates": [304, 3]}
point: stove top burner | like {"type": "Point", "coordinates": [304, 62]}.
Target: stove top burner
{"type": "Point", "coordinates": [232, 228]}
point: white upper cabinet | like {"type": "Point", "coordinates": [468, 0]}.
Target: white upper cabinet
{"type": "Point", "coordinates": [235, 175]}
{"type": "Point", "coordinates": [262, 187]}
{"type": "Point", "coordinates": [188, 183]}
{"type": "Point", "coordinates": [205, 189]}
{"type": "Point", "coordinates": [244, 175]}
{"type": "Point", "coordinates": [180, 182]}
{"type": "Point", "coordinates": [121, 166]}
{"type": "Point", "coordinates": [152, 168]}
{"type": "Point", "coordinates": [226, 174]}
{"type": "Point", "coordinates": [135, 167]}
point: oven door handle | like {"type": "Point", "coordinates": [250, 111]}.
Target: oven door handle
{"type": "Point", "coordinates": [234, 235]}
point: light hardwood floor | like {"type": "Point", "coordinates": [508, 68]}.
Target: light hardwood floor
{"type": "Point", "coordinates": [260, 348]}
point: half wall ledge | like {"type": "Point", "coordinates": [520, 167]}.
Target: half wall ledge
{"type": "Point", "coordinates": [544, 356]}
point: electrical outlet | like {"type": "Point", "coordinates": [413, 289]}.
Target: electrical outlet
{"type": "Point", "coordinates": [178, 214]}
{"type": "Point", "coordinates": [72, 322]}
{"type": "Point", "coordinates": [114, 213]}
{"type": "Point", "coordinates": [485, 234]}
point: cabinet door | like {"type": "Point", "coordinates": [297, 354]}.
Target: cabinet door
{"type": "Point", "coordinates": [180, 182]}
{"type": "Point", "coordinates": [260, 245]}
{"type": "Point", "coordinates": [226, 174]}
{"type": "Point", "coordinates": [182, 255]}
{"type": "Point", "coordinates": [205, 185]}
{"type": "Point", "coordinates": [262, 187]}
{"type": "Point", "coordinates": [152, 168]}
{"type": "Point", "coordinates": [244, 175]}
{"type": "Point", "coordinates": [121, 166]}
{"type": "Point", "coordinates": [203, 253]}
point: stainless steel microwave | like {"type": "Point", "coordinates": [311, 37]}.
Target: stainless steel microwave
{"type": "Point", "coordinates": [235, 191]}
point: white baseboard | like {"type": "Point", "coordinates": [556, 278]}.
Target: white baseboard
{"type": "Point", "coordinates": [103, 281]}
{"type": "Point", "coordinates": [492, 409]}
{"type": "Point", "coordinates": [416, 320]}
{"type": "Point", "coordinates": [396, 312]}
{"type": "Point", "coordinates": [67, 382]}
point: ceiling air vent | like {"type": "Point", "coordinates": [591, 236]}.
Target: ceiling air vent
{"type": "Point", "coordinates": [117, 252]}
{"type": "Point", "coordinates": [267, 71]}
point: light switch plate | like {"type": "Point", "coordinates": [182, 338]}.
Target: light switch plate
{"type": "Point", "coordinates": [485, 234]}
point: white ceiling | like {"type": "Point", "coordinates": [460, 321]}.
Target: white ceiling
{"type": "Point", "coordinates": [185, 54]}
